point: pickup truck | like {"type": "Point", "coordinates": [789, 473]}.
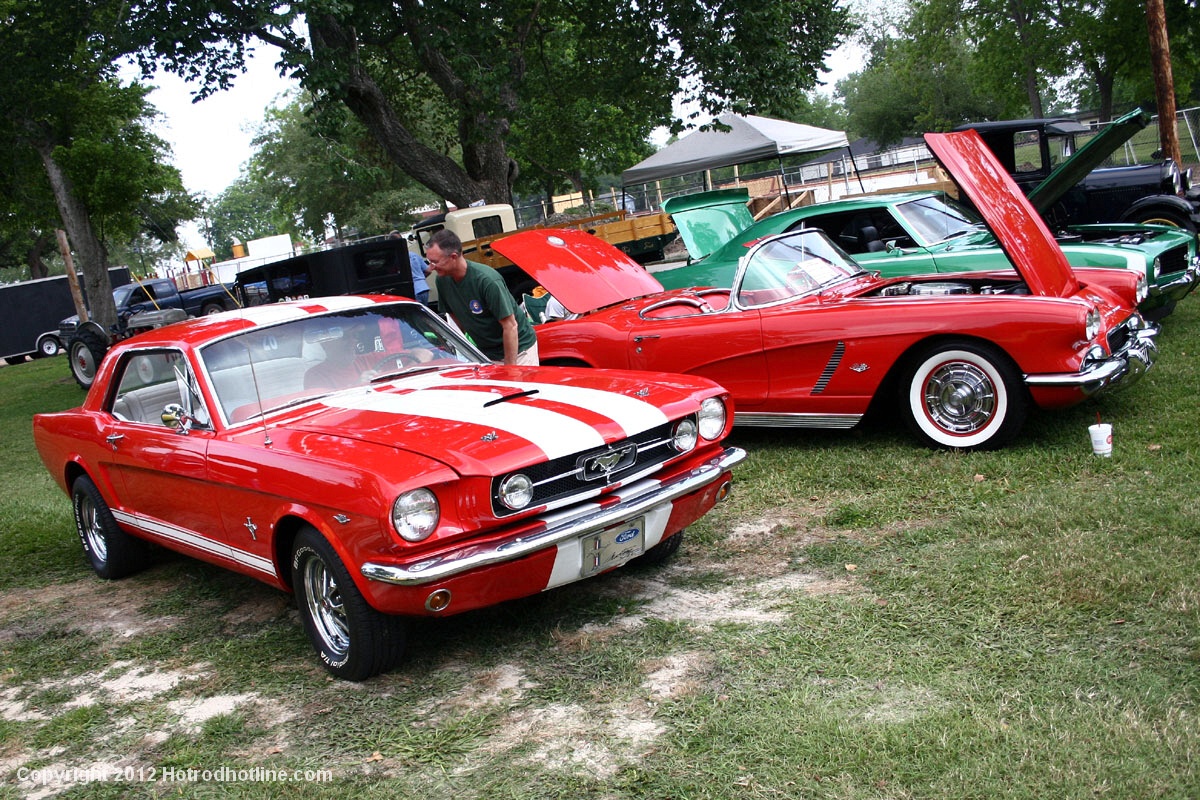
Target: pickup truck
{"type": "Point", "coordinates": [141, 305]}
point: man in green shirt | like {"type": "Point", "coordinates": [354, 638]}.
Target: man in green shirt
{"type": "Point", "coordinates": [479, 301]}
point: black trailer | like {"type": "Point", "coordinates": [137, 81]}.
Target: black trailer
{"type": "Point", "coordinates": [31, 311]}
{"type": "Point", "coordinates": [378, 266]}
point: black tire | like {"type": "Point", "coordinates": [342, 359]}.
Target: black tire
{"type": "Point", "coordinates": [1161, 216]}
{"type": "Point", "coordinates": [48, 345]}
{"type": "Point", "coordinates": [85, 351]}
{"type": "Point", "coordinates": [965, 395]}
{"type": "Point", "coordinates": [660, 552]}
{"type": "Point", "coordinates": [14, 360]}
{"type": "Point", "coordinates": [112, 552]}
{"type": "Point", "coordinates": [353, 640]}
{"type": "Point", "coordinates": [211, 308]}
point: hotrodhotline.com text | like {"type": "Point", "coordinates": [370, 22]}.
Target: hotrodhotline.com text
{"type": "Point", "coordinates": [58, 776]}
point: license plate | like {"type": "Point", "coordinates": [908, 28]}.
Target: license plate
{"type": "Point", "coordinates": [613, 547]}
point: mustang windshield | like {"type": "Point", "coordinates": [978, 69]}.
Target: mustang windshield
{"type": "Point", "coordinates": [934, 219]}
{"type": "Point", "coordinates": [275, 366]}
{"type": "Point", "coordinates": [791, 265]}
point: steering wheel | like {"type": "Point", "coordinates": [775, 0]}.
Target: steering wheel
{"type": "Point", "coordinates": [393, 362]}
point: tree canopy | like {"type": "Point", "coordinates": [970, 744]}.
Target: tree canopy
{"type": "Point", "coordinates": [599, 74]}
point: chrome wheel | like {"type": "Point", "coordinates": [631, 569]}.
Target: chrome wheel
{"type": "Point", "coordinates": [326, 607]}
{"type": "Point", "coordinates": [90, 528]}
{"type": "Point", "coordinates": [960, 397]}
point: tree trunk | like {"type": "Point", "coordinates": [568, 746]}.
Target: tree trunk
{"type": "Point", "coordinates": [486, 172]}
{"type": "Point", "coordinates": [92, 254]}
{"type": "Point", "coordinates": [33, 257]}
{"type": "Point", "coordinates": [1164, 81]}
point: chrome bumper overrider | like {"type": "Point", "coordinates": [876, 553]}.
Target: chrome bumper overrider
{"type": "Point", "coordinates": [595, 518]}
{"type": "Point", "coordinates": [1122, 368]}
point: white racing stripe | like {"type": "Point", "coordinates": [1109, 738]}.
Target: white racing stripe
{"type": "Point", "coordinates": [556, 434]}
{"type": "Point", "coordinates": [632, 414]}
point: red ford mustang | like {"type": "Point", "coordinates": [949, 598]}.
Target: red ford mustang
{"type": "Point", "coordinates": [358, 452]}
{"type": "Point", "coordinates": [806, 338]}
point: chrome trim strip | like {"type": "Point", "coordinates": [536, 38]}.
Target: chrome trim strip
{"type": "Point", "coordinates": [571, 526]}
{"type": "Point", "coordinates": [779, 420]}
{"type": "Point", "coordinates": [184, 536]}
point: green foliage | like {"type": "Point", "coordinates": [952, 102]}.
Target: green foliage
{"type": "Point", "coordinates": [321, 171]}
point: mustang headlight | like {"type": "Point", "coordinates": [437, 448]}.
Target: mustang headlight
{"type": "Point", "coordinates": [516, 491]}
{"type": "Point", "coordinates": [1091, 325]}
{"type": "Point", "coordinates": [415, 515]}
{"type": "Point", "coordinates": [683, 437]}
{"type": "Point", "coordinates": [712, 418]}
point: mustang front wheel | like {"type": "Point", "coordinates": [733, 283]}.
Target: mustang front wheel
{"type": "Point", "coordinates": [353, 640]}
{"type": "Point", "coordinates": [966, 395]}
{"type": "Point", "coordinates": [111, 551]}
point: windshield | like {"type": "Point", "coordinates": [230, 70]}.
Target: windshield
{"type": "Point", "coordinates": [935, 219]}
{"type": "Point", "coordinates": [271, 367]}
{"type": "Point", "coordinates": [794, 264]}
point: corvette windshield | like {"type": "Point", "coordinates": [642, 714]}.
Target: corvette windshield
{"type": "Point", "coordinates": [271, 367]}
{"type": "Point", "coordinates": [792, 265]}
{"type": "Point", "coordinates": [934, 219]}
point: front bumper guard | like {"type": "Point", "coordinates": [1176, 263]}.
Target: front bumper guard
{"type": "Point", "coordinates": [1123, 368]}
{"type": "Point", "coordinates": [472, 557]}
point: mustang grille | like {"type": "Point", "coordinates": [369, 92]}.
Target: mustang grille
{"type": "Point", "coordinates": [591, 470]}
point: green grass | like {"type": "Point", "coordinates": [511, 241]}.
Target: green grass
{"type": "Point", "coordinates": [1019, 624]}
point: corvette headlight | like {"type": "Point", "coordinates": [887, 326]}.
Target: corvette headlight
{"type": "Point", "coordinates": [683, 438]}
{"type": "Point", "coordinates": [712, 418]}
{"type": "Point", "coordinates": [516, 491]}
{"type": "Point", "coordinates": [415, 514]}
{"type": "Point", "coordinates": [1091, 325]}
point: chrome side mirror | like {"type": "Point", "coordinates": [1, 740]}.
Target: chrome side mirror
{"type": "Point", "coordinates": [174, 416]}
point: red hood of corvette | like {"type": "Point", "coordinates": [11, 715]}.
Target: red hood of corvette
{"type": "Point", "coordinates": [1019, 229]}
{"type": "Point", "coordinates": [581, 270]}
{"type": "Point", "coordinates": [487, 421]}
{"type": "Point", "coordinates": [586, 273]}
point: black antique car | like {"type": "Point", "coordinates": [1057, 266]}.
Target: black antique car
{"type": "Point", "coordinates": [1035, 152]}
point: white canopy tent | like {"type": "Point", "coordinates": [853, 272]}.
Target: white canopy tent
{"type": "Point", "coordinates": [748, 139]}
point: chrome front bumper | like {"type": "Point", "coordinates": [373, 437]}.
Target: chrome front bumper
{"type": "Point", "coordinates": [641, 497]}
{"type": "Point", "coordinates": [1123, 368]}
{"type": "Point", "coordinates": [1180, 286]}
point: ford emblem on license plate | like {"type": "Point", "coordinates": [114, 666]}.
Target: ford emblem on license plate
{"type": "Point", "coordinates": [613, 547]}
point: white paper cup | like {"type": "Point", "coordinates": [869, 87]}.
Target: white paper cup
{"type": "Point", "coordinates": [1101, 438]}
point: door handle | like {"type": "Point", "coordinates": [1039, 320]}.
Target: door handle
{"type": "Point", "coordinates": [113, 439]}
{"type": "Point", "coordinates": [644, 337]}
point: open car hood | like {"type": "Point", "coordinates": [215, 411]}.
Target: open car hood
{"type": "Point", "coordinates": [1020, 231]}
{"type": "Point", "coordinates": [581, 270]}
{"type": "Point", "coordinates": [708, 220]}
{"type": "Point", "coordinates": [1086, 159]}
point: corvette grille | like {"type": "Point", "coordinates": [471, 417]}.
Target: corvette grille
{"type": "Point", "coordinates": [587, 472]}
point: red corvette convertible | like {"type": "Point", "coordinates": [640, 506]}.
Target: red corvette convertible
{"type": "Point", "coordinates": [806, 338]}
{"type": "Point", "coordinates": [358, 452]}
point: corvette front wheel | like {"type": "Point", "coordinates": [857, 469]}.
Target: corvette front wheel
{"type": "Point", "coordinates": [353, 640]}
{"type": "Point", "coordinates": [964, 395]}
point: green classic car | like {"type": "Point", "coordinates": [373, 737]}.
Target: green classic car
{"type": "Point", "coordinates": [915, 233]}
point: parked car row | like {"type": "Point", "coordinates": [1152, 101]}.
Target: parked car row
{"type": "Point", "coordinates": [360, 453]}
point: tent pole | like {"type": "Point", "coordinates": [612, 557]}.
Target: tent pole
{"type": "Point", "coordinates": [783, 180]}
{"type": "Point", "coordinates": [856, 172]}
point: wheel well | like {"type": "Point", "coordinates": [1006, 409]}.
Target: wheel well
{"type": "Point", "coordinates": [286, 531]}
{"type": "Point", "coordinates": [889, 386]}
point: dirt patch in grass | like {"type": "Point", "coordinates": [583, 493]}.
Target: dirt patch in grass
{"type": "Point", "coordinates": [149, 703]}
